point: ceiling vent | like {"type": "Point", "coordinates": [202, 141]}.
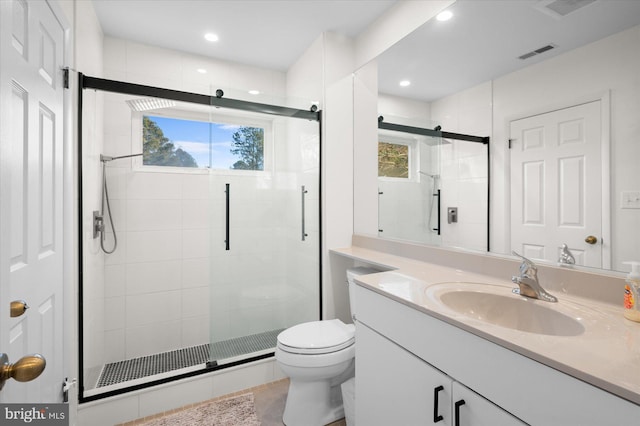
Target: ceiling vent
{"type": "Point", "coordinates": [537, 51]}
{"type": "Point", "coordinates": [561, 8]}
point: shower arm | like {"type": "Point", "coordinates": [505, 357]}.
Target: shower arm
{"type": "Point", "coordinates": [107, 158]}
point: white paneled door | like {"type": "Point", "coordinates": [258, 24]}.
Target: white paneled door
{"type": "Point", "coordinates": [31, 193]}
{"type": "Point", "coordinates": [556, 184]}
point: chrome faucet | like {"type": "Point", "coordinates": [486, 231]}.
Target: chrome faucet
{"type": "Point", "coordinates": [566, 258]}
{"type": "Point", "coordinates": [528, 281]}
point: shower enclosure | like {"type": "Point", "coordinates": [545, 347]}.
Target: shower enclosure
{"type": "Point", "coordinates": [433, 186]}
{"type": "Point", "coordinates": [208, 211]}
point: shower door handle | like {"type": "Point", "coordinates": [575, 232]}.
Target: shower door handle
{"type": "Point", "coordinates": [438, 195]}
{"type": "Point", "coordinates": [227, 218]}
{"type": "Point", "coordinates": [304, 232]}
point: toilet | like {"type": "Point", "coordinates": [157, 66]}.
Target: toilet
{"type": "Point", "coordinates": [318, 357]}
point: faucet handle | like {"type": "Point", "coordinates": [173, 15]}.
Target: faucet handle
{"type": "Point", "coordinates": [566, 257]}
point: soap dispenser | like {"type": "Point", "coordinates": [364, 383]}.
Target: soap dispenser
{"type": "Point", "coordinates": [631, 293]}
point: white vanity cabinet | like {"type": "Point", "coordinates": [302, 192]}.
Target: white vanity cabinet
{"type": "Point", "coordinates": [395, 387]}
{"type": "Point", "coordinates": [403, 354]}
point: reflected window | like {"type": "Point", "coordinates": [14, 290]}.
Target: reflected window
{"type": "Point", "coordinates": [393, 160]}
{"type": "Point", "coordinates": [177, 142]}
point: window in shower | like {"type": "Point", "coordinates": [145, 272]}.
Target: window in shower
{"type": "Point", "coordinates": [177, 142]}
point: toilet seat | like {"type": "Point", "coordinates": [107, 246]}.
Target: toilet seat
{"type": "Point", "coordinates": [317, 337]}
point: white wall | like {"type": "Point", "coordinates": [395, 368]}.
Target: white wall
{"type": "Point", "coordinates": [405, 111]}
{"type": "Point", "coordinates": [88, 54]}
{"type": "Point", "coordinates": [149, 65]}
{"type": "Point", "coordinates": [324, 71]}
{"type": "Point", "coordinates": [86, 43]}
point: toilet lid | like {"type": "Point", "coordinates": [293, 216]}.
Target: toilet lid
{"type": "Point", "coordinates": [317, 337]}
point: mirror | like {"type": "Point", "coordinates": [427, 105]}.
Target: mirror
{"type": "Point", "coordinates": [433, 186]}
{"type": "Point", "coordinates": [534, 75]}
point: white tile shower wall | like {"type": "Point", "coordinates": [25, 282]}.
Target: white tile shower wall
{"type": "Point", "coordinates": [163, 258]}
{"type": "Point", "coordinates": [463, 185]}
{"type": "Point", "coordinates": [150, 273]}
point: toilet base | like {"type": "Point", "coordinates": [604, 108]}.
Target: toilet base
{"type": "Point", "coordinates": [313, 404]}
{"type": "Point", "coordinates": [316, 402]}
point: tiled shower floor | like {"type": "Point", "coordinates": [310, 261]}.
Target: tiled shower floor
{"type": "Point", "coordinates": [137, 368]}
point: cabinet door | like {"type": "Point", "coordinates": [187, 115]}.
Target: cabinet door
{"type": "Point", "coordinates": [394, 387]}
{"type": "Point", "coordinates": [471, 409]}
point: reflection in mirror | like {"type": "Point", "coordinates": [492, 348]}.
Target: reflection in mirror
{"type": "Point", "coordinates": [408, 186]}
{"type": "Point", "coordinates": [557, 90]}
{"type": "Point", "coordinates": [430, 184]}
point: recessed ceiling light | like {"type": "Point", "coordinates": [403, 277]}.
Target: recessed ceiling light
{"type": "Point", "coordinates": [405, 83]}
{"type": "Point", "coordinates": [254, 92]}
{"type": "Point", "coordinates": [444, 16]}
{"type": "Point", "coordinates": [201, 70]}
{"type": "Point", "coordinates": [211, 37]}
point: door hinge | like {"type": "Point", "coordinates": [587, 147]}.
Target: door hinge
{"type": "Point", "coordinates": [66, 385]}
{"type": "Point", "coordinates": [65, 78]}
{"type": "Point", "coordinates": [510, 140]}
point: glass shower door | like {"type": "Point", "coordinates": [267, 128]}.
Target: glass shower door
{"type": "Point", "coordinates": [206, 204]}
{"type": "Point", "coordinates": [265, 240]}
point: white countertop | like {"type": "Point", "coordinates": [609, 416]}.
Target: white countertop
{"type": "Point", "coordinates": [606, 354]}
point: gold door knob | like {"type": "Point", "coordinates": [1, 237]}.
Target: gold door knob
{"type": "Point", "coordinates": [18, 307]}
{"type": "Point", "coordinates": [591, 239]}
{"type": "Point", "coordinates": [26, 369]}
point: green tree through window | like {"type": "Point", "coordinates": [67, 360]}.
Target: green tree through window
{"type": "Point", "coordinates": [393, 160]}
{"type": "Point", "coordinates": [159, 150]}
{"type": "Point", "coordinates": [248, 144]}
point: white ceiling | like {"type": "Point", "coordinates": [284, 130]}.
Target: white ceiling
{"type": "Point", "coordinates": [266, 33]}
{"type": "Point", "coordinates": [481, 42]}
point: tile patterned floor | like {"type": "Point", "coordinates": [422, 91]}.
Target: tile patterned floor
{"type": "Point", "coordinates": [269, 401]}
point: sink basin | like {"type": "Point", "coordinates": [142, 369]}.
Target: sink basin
{"type": "Point", "coordinates": [499, 306]}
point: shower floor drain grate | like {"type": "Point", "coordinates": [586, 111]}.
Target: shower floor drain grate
{"type": "Point", "coordinates": [137, 368]}
{"type": "Point", "coordinates": [244, 345]}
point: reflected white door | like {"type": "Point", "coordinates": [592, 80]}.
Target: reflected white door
{"type": "Point", "coordinates": [556, 184]}
{"type": "Point", "coordinates": [31, 175]}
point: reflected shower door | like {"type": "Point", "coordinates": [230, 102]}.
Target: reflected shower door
{"type": "Point", "coordinates": [409, 187]}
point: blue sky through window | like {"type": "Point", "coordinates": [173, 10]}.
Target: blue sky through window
{"type": "Point", "coordinates": [204, 141]}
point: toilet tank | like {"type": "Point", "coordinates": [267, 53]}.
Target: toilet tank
{"type": "Point", "coordinates": [351, 274]}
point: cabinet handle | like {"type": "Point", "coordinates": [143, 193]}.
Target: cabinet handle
{"type": "Point", "coordinates": [457, 411]}
{"type": "Point", "coordinates": [436, 417]}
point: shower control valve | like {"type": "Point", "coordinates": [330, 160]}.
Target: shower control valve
{"type": "Point", "coordinates": [98, 224]}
